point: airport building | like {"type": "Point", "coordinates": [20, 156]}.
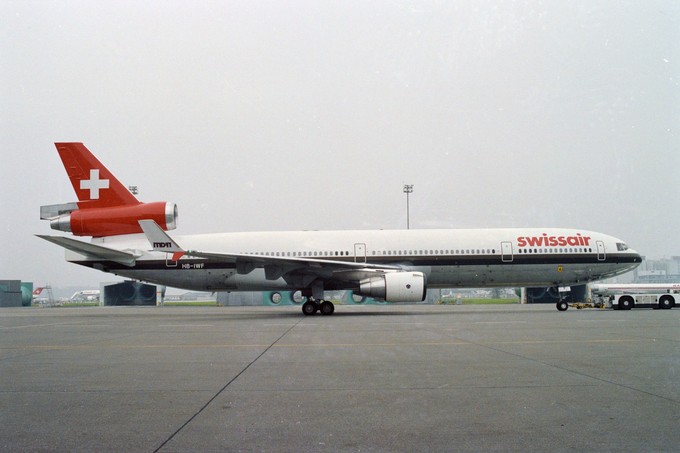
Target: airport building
{"type": "Point", "coordinates": [666, 270]}
{"type": "Point", "coordinates": [15, 293]}
{"type": "Point", "coordinates": [128, 293]}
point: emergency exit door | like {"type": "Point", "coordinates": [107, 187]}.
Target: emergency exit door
{"type": "Point", "coordinates": [359, 253]}
{"type": "Point", "coordinates": [506, 252]}
{"type": "Point", "coordinates": [601, 253]}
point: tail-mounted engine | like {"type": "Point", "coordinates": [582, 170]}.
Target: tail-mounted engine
{"type": "Point", "coordinates": [395, 287]}
{"type": "Point", "coordinates": [109, 221]}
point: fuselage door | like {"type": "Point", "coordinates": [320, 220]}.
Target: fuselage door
{"type": "Point", "coordinates": [601, 253]}
{"type": "Point", "coordinates": [506, 252]}
{"type": "Point", "coordinates": [168, 260]}
{"type": "Point", "coordinates": [360, 253]}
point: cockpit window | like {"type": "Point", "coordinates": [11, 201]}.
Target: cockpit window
{"type": "Point", "coordinates": [621, 247]}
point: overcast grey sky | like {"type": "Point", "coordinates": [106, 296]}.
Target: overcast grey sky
{"type": "Point", "coordinates": [312, 115]}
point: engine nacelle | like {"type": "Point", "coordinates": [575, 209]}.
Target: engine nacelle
{"type": "Point", "coordinates": [116, 220]}
{"type": "Point", "coordinates": [395, 287]}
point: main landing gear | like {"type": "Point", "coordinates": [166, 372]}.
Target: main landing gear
{"type": "Point", "coordinates": [310, 307]}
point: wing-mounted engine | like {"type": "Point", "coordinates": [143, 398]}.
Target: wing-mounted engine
{"type": "Point", "coordinates": [109, 221]}
{"type": "Point", "coordinates": [395, 287]}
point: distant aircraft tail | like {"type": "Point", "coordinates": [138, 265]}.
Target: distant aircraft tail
{"type": "Point", "coordinates": [104, 207]}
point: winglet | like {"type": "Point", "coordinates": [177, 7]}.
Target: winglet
{"type": "Point", "coordinates": [159, 239]}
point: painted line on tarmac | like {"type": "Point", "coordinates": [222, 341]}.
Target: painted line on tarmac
{"type": "Point", "coordinates": [321, 345]}
{"type": "Point", "coordinates": [28, 326]}
{"type": "Point", "coordinates": [499, 322]}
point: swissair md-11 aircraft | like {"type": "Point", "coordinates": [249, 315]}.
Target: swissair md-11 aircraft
{"type": "Point", "coordinates": [130, 239]}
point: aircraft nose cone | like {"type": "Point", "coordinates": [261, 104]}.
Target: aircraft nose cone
{"type": "Point", "coordinates": [637, 258]}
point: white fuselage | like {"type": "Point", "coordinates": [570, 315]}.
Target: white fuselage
{"type": "Point", "coordinates": [448, 258]}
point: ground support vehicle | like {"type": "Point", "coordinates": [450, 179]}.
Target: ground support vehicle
{"type": "Point", "coordinates": [563, 305]}
{"type": "Point", "coordinates": [628, 301]}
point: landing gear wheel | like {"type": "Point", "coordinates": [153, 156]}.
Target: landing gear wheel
{"type": "Point", "coordinates": [327, 308]}
{"type": "Point", "coordinates": [309, 308]}
{"type": "Point", "coordinates": [562, 305]}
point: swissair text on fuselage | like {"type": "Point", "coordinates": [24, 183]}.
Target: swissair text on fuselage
{"type": "Point", "coordinates": [553, 241]}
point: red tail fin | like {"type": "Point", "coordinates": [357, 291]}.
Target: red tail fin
{"type": "Point", "coordinates": [95, 185]}
{"type": "Point", "coordinates": [105, 207]}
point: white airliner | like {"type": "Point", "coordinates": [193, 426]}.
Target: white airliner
{"type": "Point", "coordinates": [129, 239]}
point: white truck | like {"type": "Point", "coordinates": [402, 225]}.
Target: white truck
{"type": "Point", "coordinates": [627, 296]}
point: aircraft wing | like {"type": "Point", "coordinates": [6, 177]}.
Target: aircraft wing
{"type": "Point", "coordinates": [92, 250]}
{"type": "Point", "coordinates": [275, 267]}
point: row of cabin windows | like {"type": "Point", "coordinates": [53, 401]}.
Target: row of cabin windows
{"type": "Point", "coordinates": [378, 253]}
{"type": "Point", "coordinates": [424, 252]}
{"type": "Point", "coordinates": [434, 252]}
{"type": "Point", "coordinates": [557, 250]}
{"type": "Point", "coordinates": [300, 254]}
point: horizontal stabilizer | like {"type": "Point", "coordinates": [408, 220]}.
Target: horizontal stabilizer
{"type": "Point", "coordinates": [53, 211]}
{"type": "Point", "coordinates": [92, 250]}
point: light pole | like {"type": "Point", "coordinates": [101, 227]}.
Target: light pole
{"type": "Point", "coordinates": [408, 189]}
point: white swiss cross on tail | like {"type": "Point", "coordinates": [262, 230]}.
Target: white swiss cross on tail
{"type": "Point", "coordinates": [94, 184]}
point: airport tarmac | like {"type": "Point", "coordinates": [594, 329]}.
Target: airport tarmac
{"type": "Point", "coordinates": [367, 379]}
